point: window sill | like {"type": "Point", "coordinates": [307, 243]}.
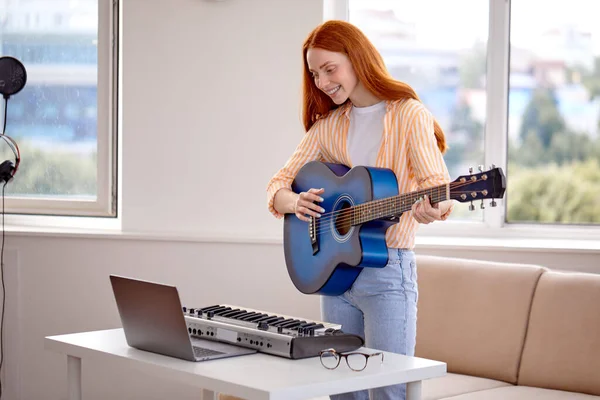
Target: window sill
{"type": "Point", "coordinates": [509, 244]}
{"type": "Point", "coordinates": [456, 238]}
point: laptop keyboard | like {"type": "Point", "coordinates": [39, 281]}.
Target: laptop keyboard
{"type": "Point", "coordinates": [203, 352]}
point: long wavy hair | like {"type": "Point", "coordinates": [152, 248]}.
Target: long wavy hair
{"type": "Point", "coordinates": [343, 37]}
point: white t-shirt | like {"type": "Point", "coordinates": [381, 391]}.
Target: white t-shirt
{"type": "Point", "coordinates": [365, 133]}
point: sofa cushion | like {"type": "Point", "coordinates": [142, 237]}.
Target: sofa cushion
{"type": "Point", "coordinates": [473, 314]}
{"type": "Point", "coordinates": [523, 393]}
{"type": "Point", "coordinates": [455, 384]}
{"type": "Point", "coordinates": [562, 348]}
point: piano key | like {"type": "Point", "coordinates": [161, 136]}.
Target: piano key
{"type": "Point", "coordinates": [266, 318]}
{"type": "Point", "coordinates": [327, 324]}
{"type": "Point", "coordinates": [206, 309]}
{"type": "Point", "coordinates": [249, 315]}
{"type": "Point", "coordinates": [293, 324]}
{"type": "Point", "coordinates": [277, 323]}
{"type": "Point", "coordinates": [238, 314]}
{"type": "Point", "coordinates": [256, 317]}
{"type": "Point", "coordinates": [223, 311]}
{"type": "Point", "coordinates": [216, 310]}
{"type": "Point", "coordinates": [273, 320]}
{"type": "Point", "coordinates": [285, 321]}
{"type": "Point", "coordinates": [228, 314]}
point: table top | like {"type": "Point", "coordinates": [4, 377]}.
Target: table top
{"type": "Point", "coordinates": [255, 376]}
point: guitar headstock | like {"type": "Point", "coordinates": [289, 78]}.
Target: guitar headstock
{"type": "Point", "coordinates": [490, 184]}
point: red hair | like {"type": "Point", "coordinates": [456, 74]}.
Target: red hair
{"type": "Point", "coordinates": [343, 37]}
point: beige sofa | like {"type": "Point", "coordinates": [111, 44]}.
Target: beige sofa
{"type": "Point", "coordinates": [508, 331]}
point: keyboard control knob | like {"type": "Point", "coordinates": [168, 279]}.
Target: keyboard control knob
{"type": "Point", "coordinates": [263, 326]}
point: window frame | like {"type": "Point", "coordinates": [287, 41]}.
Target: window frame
{"type": "Point", "coordinates": [27, 211]}
{"type": "Point", "coordinates": [493, 224]}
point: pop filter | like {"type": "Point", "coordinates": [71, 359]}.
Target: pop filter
{"type": "Point", "coordinates": [12, 76]}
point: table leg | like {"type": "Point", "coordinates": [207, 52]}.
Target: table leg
{"type": "Point", "coordinates": [74, 377]}
{"type": "Point", "coordinates": [209, 395]}
{"type": "Point", "coordinates": [413, 390]}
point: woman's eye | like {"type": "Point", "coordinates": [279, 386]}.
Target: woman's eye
{"type": "Point", "coordinates": [330, 70]}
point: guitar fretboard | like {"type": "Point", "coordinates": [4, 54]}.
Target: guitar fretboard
{"type": "Point", "coordinates": [396, 205]}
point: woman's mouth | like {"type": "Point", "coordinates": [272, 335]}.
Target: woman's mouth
{"type": "Point", "coordinates": [333, 91]}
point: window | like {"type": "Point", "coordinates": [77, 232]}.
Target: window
{"type": "Point", "coordinates": [554, 113]}
{"type": "Point", "coordinates": [509, 90]}
{"type": "Point", "coordinates": [64, 118]}
{"type": "Point", "coordinates": [446, 70]}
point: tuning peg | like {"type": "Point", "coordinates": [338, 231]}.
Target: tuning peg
{"type": "Point", "coordinates": [493, 203]}
{"type": "Point", "coordinates": [471, 207]}
{"type": "Point", "coordinates": [480, 167]}
{"type": "Point", "coordinates": [482, 206]}
{"type": "Point", "coordinates": [470, 170]}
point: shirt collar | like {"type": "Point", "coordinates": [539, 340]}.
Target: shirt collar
{"type": "Point", "coordinates": [347, 107]}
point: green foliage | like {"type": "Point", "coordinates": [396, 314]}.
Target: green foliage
{"type": "Point", "coordinates": [555, 194]}
{"type": "Point", "coordinates": [45, 172]}
{"type": "Point", "coordinates": [591, 80]}
{"type": "Point", "coordinates": [542, 117]}
{"type": "Point", "coordinates": [466, 143]}
{"type": "Point", "coordinates": [473, 67]}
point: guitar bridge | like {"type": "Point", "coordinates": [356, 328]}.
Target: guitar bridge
{"type": "Point", "coordinates": [312, 234]}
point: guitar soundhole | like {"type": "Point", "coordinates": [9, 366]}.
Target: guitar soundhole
{"type": "Point", "coordinates": [343, 221]}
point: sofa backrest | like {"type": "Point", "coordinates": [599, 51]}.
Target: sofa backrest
{"type": "Point", "coordinates": [562, 347]}
{"type": "Point", "coordinates": [473, 314]}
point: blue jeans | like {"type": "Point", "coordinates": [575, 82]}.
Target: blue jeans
{"type": "Point", "coordinates": [381, 306]}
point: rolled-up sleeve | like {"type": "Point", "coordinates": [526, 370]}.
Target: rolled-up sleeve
{"type": "Point", "coordinates": [307, 150]}
{"type": "Point", "coordinates": [426, 159]}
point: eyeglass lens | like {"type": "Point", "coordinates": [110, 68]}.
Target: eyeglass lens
{"type": "Point", "coordinates": [330, 359]}
{"type": "Point", "coordinates": [356, 361]}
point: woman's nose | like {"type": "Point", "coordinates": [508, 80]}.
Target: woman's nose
{"type": "Point", "coordinates": [323, 83]}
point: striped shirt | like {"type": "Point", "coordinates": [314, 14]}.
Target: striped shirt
{"type": "Point", "coordinates": [409, 148]}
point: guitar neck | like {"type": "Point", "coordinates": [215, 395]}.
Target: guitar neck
{"type": "Point", "coordinates": [396, 205]}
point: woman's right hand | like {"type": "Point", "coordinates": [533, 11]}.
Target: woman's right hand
{"type": "Point", "coordinates": [305, 206]}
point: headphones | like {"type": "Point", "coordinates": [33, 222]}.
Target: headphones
{"type": "Point", "coordinates": [13, 77]}
{"type": "Point", "coordinates": [8, 169]}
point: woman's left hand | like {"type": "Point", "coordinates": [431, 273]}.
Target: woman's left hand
{"type": "Point", "coordinates": [425, 213]}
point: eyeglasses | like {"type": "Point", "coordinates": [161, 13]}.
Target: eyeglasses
{"type": "Point", "coordinates": [356, 360]}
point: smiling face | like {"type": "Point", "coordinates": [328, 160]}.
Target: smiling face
{"type": "Point", "coordinates": [332, 73]}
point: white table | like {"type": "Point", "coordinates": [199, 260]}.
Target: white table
{"type": "Point", "coordinates": [253, 377]}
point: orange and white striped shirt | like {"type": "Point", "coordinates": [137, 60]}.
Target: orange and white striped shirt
{"type": "Point", "coordinates": [408, 148]}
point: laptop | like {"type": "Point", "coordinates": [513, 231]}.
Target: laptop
{"type": "Point", "coordinates": [153, 320]}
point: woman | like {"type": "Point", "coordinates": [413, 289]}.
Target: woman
{"type": "Point", "coordinates": [355, 113]}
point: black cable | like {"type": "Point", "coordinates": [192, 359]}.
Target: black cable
{"type": "Point", "coordinates": [5, 115]}
{"type": "Point", "coordinates": [3, 292]}
{"type": "Point", "coordinates": [2, 262]}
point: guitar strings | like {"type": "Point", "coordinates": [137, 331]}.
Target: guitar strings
{"type": "Point", "coordinates": [347, 215]}
{"type": "Point", "coordinates": [378, 205]}
{"type": "Point", "coordinates": [381, 205]}
{"type": "Point", "coordinates": [404, 197]}
{"type": "Point", "coordinates": [324, 226]}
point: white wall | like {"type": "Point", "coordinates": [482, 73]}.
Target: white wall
{"type": "Point", "coordinates": [211, 109]}
{"type": "Point", "coordinates": [201, 82]}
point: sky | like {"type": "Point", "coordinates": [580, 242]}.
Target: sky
{"type": "Point", "coordinates": [469, 19]}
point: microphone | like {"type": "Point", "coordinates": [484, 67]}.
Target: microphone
{"type": "Point", "coordinates": [13, 76]}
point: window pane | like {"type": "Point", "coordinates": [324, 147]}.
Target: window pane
{"type": "Point", "coordinates": [444, 60]}
{"type": "Point", "coordinates": [54, 118]}
{"type": "Point", "coordinates": [554, 108]}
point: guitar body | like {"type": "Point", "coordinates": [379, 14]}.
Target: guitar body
{"type": "Point", "coordinates": [329, 261]}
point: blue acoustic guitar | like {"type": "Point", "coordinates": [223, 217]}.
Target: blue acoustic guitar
{"type": "Point", "coordinates": [326, 255]}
